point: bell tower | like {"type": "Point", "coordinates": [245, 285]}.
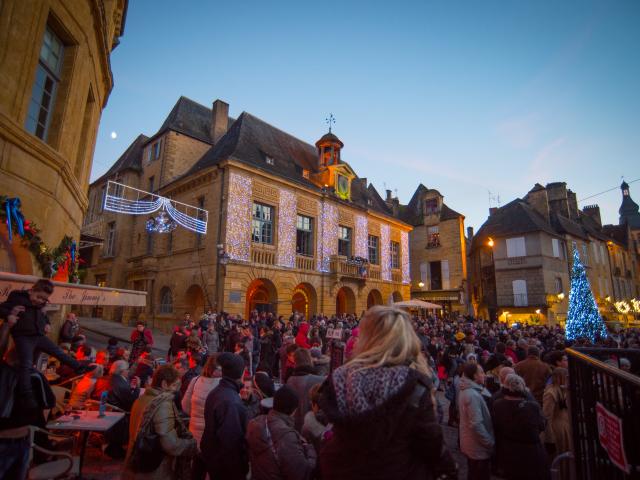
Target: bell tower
{"type": "Point", "coordinates": [329, 147]}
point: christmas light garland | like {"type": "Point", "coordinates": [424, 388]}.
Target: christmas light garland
{"type": "Point", "coordinates": [385, 256]}
{"type": "Point", "coordinates": [404, 251]}
{"type": "Point", "coordinates": [328, 241]}
{"type": "Point", "coordinates": [362, 237]}
{"type": "Point", "coordinates": [238, 234]}
{"type": "Point", "coordinates": [287, 213]}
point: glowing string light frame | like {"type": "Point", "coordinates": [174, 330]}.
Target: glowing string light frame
{"type": "Point", "coordinates": [120, 198]}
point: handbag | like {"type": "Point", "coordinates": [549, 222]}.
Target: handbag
{"type": "Point", "coordinates": [147, 454]}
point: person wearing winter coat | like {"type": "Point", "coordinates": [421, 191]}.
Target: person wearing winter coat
{"type": "Point", "coordinates": [177, 342]}
{"type": "Point", "coordinates": [193, 342]}
{"type": "Point", "coordinates": [193, 403]}
{"type": "Point", "coordinates": [381, 406]}
{"type": "Point", "coordinates": [535, 373]}
{"type": "Point", "coordinates": [211, 339]}
{"type": "Point", "coordinates": [141, 338]}
{"type": "Point", "coordinates": [301, 337]}
{"type": "Point", "coordinates": [70, 329]}
{"type": "Point", "coordinates": [176, 443]}
{"type": "Point", "coordinates": [301, 380]}
{"type": "Point", "coordinates": [315, 421]}
{"type": "Point", "coordinates": [476, 430]}
{"type": "Point", "coordinates": [517, 424]}
{"type": "Point", "coordinates": [276, 450]}
{"type": "Point", "coordinates": [321, 363]}
{"type": "Point", "coordinates": [223, 445]}
{"type": "Point", "coordinates": [267, 351]}
{"type": "Point", "coordinates": [81, 392]}
{"type": "Point", "coordinates": [555, 407]}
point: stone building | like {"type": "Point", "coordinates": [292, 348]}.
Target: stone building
{"type": "Point", "coordinates": [56, 78]}
{"type": "Point", "coordinates": [520, 259]}
{"type": "Point", "coordinates": [437, 250]}
{"type": "Point", "coordinates": [291, 227]}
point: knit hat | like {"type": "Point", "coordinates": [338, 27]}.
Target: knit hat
{"type": "Point", "coordinates": [263, 382]}
{"type": "Point", "coordinates": [285, 400]}
{"type": "Point", "coordinates": [232, 365]}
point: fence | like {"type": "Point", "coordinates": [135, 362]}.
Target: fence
{"type": "Point", "coordinates": [605, 412]}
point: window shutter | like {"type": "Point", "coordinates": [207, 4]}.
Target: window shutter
{"type": "Point", "coordinates": [520, 293]}
{"type": "Point", "coordinates": [445, 274]}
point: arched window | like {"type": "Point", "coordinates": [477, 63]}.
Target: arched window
{"type": "Point", "coordinates": [166, 300]}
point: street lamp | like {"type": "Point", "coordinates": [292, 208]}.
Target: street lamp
{"type": "Point", "coordinates": [561, 296]}
{"type": "Point", "coordinates": [421, 284]}
{"type": "Point", "coordinates": [490, 242]}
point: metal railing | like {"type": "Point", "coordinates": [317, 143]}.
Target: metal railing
{"type": "Point", "coordinates": [597, 386]}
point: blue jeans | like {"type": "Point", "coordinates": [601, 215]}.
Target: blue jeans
{"type": "Point", "coordinates": [14, 458]}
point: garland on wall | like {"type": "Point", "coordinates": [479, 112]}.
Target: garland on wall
{"type": "Point", "coordinates": [60, 263]}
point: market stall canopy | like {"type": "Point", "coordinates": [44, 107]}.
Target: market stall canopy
{"type": "Point", "coordinates": [415, 303]}
{"type": "Point", "coordinates": [73, 293]}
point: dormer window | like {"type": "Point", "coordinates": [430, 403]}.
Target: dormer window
{"type": "Point", "coordinates": [305, 173]}
{"type": "Point", "coordinates": [369, 202]}
{"type": "Point", "coordinates": [269, 160]}
{"type": "Point", "coordinates": [431, 206]}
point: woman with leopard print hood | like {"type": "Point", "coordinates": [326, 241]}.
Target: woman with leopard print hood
{"type": "Point", "coordinates": [382, 408]}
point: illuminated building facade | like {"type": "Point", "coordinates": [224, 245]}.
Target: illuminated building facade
{"type": "Point", "coordinates": [291, 225]}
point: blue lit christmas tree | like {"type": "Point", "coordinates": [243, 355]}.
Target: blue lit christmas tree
{"type": "Point", "coordinates": [583, 319]}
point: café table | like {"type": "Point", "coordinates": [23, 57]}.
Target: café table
{"type": "Point", "coordinates": [85, 422]}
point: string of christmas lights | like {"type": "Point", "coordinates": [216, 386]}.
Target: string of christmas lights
{"type": "Point", "coordinates": [404, 251]}
{"type": "Point", "coordinates": [328, 242]}
{"type": "Point", "coordinates": [583, 318]}
{"type": "Point", "coordinates": [116, 200]}
{"type": "Point", "coordinates": [238, 236]}
{"type": "Point", "coordinates": [385, 255]}
{"type": "Point", "coordinates": [362, 237]}
{"type": "Point", "coordinates": [287, 213]}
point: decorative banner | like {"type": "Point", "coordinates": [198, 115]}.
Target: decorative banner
{"type": "Point", "coordinates": [287, 212]}
{"type": "Point", "coordinates": [404, 251]}
{"type": "Point", "coordinates": [385, 254]}
{"type": "Point", "coordinates": [238, 238]}
{"type": "Point", "coordinates": [74, 294]}
{"type": "Point", "coordinates": [611, 437]}
{"type": "Point", "coordinates": [122, 198]}
{"type": "Point", "coordinates": [362, 237]}
{"type": "Point", "coordinates": [328, 241]}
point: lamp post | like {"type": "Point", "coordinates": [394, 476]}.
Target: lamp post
{"type": "Point", "coordinates": [223, 259]}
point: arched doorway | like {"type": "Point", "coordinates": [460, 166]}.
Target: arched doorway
{"type": "Point", "coordinates": [303, 300]}
{"type": "Point", "coordinates": [345, 301]}
{"type": "Point", "coordinates": [395, 297]}
{"type": "Point", "coordinates": [261, 296]}
{"type": "Point", "coordinates": [374, 298]}
{"type": "Point", "coordinates": [194, 301]}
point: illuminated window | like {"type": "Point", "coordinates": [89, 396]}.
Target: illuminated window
{"type": "Point", "coordinates": [395, 255]}
{"type": "Point", "coordinates": [433, 237]}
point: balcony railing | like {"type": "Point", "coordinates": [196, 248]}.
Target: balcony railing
{"type": "Point", "coordinates": [522, 300]}
{"type": "Point", "coordinates": [374, 272]}
{"type": "Point", "coordinates": [435, 243]}
{"type": "Point", "coordinates": [396, 276]}
{"type": "Point", "coordinates": [263, 256]}
{"type": "Point", "coordinates": [342, 266]}
{"type": "Point", "coordinates": [305, 263]}
{"type": "Point", "coordinates": [517, 260]}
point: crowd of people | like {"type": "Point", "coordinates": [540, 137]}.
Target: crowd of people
{"type": "Point", "coordinates": [302, 398]}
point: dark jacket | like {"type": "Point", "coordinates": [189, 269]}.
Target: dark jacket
{"type": "Point", "coordinates": [223, 444]}
{"type": "Point", "coordinates": [31, 322]}
{"type": "Point", "coordinates": [535, 373]}
{"type": "Point", "coordinates": [177, 342]}
{"type": "Point", "coordinates": [519, 452]}
{"type": "Point", "coordinates": [384, 426]}
{"type": "Point", "coordinates": [69, 331]}
{"type": "Point", "coordinates": [121, 394]}
{"type": "Point", "coordinates": [301, 381]}
{"type": "Point", "coordinates": [277, 451]}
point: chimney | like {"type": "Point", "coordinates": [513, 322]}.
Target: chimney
{"type": "Point", "coordinates": [388, 199]}
{"type": "Point", "coordinates": [470, 233]}
{"type": "Point", "coordinates": [573, 205]}
{"type": "Point", "coordinates": [558, 201]}
{"type": "Point", "coordinates": [395, 205]}
{"type": "Point", "coordinates": [219, 120]}
{"type": "Point", "coordinates": [493, 210]}
{"type": "Point", "coordinates": [538, 199]}
{"type": "Point", "coordinates": [594, 212]}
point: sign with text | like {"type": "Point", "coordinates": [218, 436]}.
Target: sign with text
{"type": "Point", "coordinates": [74, 294]}
{"type": "Point", "coordinates": [610, 435]}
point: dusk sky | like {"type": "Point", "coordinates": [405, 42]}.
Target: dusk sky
{"type": "Point", "coordinates": [465, 97]}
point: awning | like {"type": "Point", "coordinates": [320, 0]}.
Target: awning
{"type": "Point", "coordinates": [417, 304]}
{"type": "Point", "coordinates": [74, 294]}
